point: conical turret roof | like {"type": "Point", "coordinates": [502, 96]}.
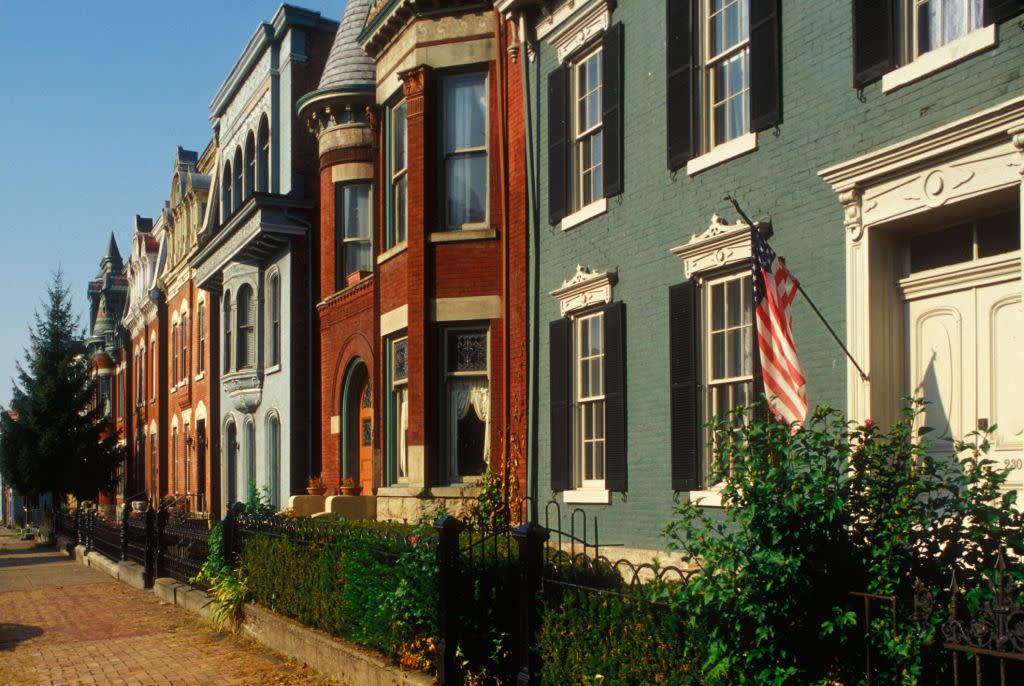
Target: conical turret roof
{"type": "Point", "coordinates": [347, 65]}
{"type": "Point", "coordinates": [112, 255]}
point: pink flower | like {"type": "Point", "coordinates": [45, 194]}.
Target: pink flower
{"type": "Point", "coordinates": [412, 539]}
{"type": "Point", "coordinates": [869, 423]}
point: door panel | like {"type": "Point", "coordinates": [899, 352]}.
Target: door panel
{"type": "Point", "coordinates": [365, 431]}
{"type": "Point", "coordinates": [941, 364]}
{"type": "Point", "coordinates": [1001, 374]}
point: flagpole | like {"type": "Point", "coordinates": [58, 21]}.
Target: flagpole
{"type": "Point", "coordinates": [800, 288]}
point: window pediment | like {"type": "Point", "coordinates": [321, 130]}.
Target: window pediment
{"type": "Point", "coordinates": [574, 24]}
{"type": "Point", "coordinates": [583, 289]}
{"type": "Point", "coordinates": [722, 244]}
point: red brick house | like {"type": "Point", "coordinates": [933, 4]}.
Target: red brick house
{"type": "Point", "coordinates": [422, 306]}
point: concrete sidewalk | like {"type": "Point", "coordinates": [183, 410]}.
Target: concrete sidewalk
{"type": "Point", "coordinates": [64, 623]}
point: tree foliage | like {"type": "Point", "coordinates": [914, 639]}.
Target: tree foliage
{"type": "Point", "coordinates": [53, 438]}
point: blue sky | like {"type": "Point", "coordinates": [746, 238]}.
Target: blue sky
{"type": "Point", "coordinates": [94, 99]}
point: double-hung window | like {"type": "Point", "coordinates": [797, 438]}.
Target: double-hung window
{"type": "Point", "coordinates": [398, 153]}
{"type": "Point", "coordinates": [201, 361]}
{"type": "Point", "coordinates": [723, 78]}
{"type": "Point", "coordinates": [465, 150]}
{"type": "Point", "coordinates": [274, 288]}
{"type": "Point", "coordinates": [588, 402]}
{"type": "Point", "coordinates": [399, 414]}
{"type": "Point", "coordinates": [467, 409]}
{"type": "Point", "coordinates": [174, 354]}
{"type": "Point", "coordinates": [246, 356]}
{"type": "Point", "coordinates": [185, 333]}
{"type": "Point", "coordinates": [906, 40]}
{"type": "Point", "coordinates": [587, 130]}
{"type": "Point", "coordinates": [588, 382]}
{"type": "Point", "coordinates": [352, 226]}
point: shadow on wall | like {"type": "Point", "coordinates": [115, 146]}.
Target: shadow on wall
{"type": "Point", "coordinates": [13, 634]}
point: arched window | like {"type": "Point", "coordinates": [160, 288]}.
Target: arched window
{"type": "Point", "coordinates": [174, 354]}
{"type": "Point", "coordinates": [263, 164]}
{"type": "Point", "coordinates": [274, 458]}
{"type": "Point", "coordinates": [246, 357]}
{"type": "Point", "coordinates": [225, 191]}
{"type": "Point", "coordinates": [250, 165]}
{"type": "Point", "coordinates": [201, 361]}
{"type": "Point", "coordinates": [154, 366]}
{"type": "Point", "coordinates": [231, 462]}
{"type": "Point", "coordinates": [236, 181]}
{"type": "Point", "coordinates": [227, 331]}
{"type": "Point", "coordinates": [275, 318]}
{"type": "Point", "coordinates": [250, 455]}
{"type": "Point", "coordinates": [184, 348]}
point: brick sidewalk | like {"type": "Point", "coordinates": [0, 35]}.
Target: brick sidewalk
{"type": "Point", "coordinates": [63, 623]}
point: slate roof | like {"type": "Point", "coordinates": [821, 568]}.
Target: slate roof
{"type": "Point", "coordinates": [113, 255]}
{"type": "Point", "coordinates": [347, 64]}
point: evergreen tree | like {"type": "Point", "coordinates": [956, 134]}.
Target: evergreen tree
{"type": "Point", "coordinates": [54, 438]}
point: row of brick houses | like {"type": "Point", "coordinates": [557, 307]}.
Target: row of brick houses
{"type": "Point", "coordinates": [408, 253]}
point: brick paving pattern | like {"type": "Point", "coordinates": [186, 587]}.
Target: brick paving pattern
{"type": "Point", "coordinates": [63, 623]}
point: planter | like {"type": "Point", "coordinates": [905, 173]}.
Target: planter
{"type": "Point", "coordinates": [316, 491]}
{"type": "Point", "coordinates": [350, 490]}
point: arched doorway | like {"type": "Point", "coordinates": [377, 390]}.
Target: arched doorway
{"type": "Point", "coordinates": [357, 425]}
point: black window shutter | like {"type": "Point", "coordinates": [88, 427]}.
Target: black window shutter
{"type": "Point", "coordinates": [679, 83]}
{"type": "Point", "coordinates": [560, 373]}
{"type": "Point", "coordinates": [997, 11]}
{"type": "Point", "coordinates": [558, 83]}
{"type": "Point", "coordinates": [612, 107]}
{"type": "Point", "coordinates": [683, 344]}
{"type": "Point", "coordinates": [615, 397]}
{"type": "Point", "coordinates": [874, 40]}
{"type": "Point", "coordinates": [765, 74]}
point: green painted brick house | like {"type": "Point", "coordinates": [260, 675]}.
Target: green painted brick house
{"type": "Point", "coordinates": [884, 143]}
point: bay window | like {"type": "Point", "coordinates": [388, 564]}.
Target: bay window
{"type": "Point", "coordinates": [352, 231]}
{"type": "Point", "coordinates": [398, 145]}
{"type": "Point", "coordinates": [465, 150]}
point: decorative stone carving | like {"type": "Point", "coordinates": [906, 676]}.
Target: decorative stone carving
{"type": "Point", "coordinates": [721, 244]}
{"type": "Point", "coordinates": [413, 81]}
{"type": "Point", "coordinates": [245, 388]}
{"type": "Point", "coordinates": [935, 187]}
{"type": "Point", "coordinates": [584, 289]}
{"type": "Point", "coordinates": [850, 199]}
{"type": "Point", "coordinates": [1017, 135]}
{"type": "Point", "coordinates": [574, 24]}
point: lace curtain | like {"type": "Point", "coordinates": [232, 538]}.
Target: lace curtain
{"type": "Point", "coordinates": [464, 396]}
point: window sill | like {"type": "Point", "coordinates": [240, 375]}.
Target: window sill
{"type": "Point", "coordinates": [454, 235]}
{"type": "Point", "coordinates": [940, 58]}
{"type": "Point", "coordinates": [587, 496]}
{"type": "Point", "coordinates": [273, 369]}
{"type": "Point", "coordinates": [708, 498]}
{"type": "Point", "coordinates": [199, 377]}
{"type": "Point", "coordinates": [586, 213]}
{"type": "Point", "coordinates": [740, 145]}
{"type": "Point", "coordinates": [392, 251]}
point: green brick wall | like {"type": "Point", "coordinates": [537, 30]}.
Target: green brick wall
{"type": "Point", "coordinates": [825, 121]}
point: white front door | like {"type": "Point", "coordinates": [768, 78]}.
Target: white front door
{"type": "Point", "coordinates": [965, 359]}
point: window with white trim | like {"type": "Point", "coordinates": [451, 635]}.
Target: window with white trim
{"type": "Point", "coordinates": [352, 231]}
{"type": "Point", "coordinates": [246, 328]}
{"type": "Point", "coordinates": [588, 384]}
{"type": "Point", "coordinates": [174, 353]}
{"type": "Point", "coordinates": [398, 148]}
{"type": "Point", "coordinates": [201, 361]}
{"type": "Point", "coordinates": [934, 23]}
{"type": "Point", "coordinates": [726, 51]}
{"type": "Point", "coordinates": [464, 115]}
{"type": "Point", "coordinates": [184, 348]}
{"type": "Point", "coordinates": [587, 130]}
{"type": "Point", "coordinates": [275, 318]}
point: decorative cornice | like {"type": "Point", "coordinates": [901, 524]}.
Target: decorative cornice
{"type": "Point", "coordinates": [574, 24]}
{"type": "Point", "coordinates": [245, 389]}
{"type": "Point", "coordinates": [583, 289]}
{"type": "Point", "coordinates": [721, 245]}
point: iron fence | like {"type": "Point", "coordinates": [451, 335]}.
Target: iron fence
{"type": "Point", "coordinates": [136, 540]}
{"type": "Point", "coordinates": [105, 536]}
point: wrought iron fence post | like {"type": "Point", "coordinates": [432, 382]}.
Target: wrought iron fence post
{"type": "Point", "coordinates": [150, 541]}
{"type": "Point", "coordinates": [125, 513]}
{"type": "Point", "coordinates": [531, 538]}
{"type": "Point", "coordinates": [158, 545]}
{"type": "Point", "coordinates": [448, 530]}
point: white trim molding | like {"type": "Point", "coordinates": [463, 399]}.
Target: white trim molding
{"type": "Point", "coordinates": [587, 496]}
{"type": "Point", "coordinates": [585, 213]}
{"type": "Point", "coordinates": [394, 320]}
{"type": "Point", "coordinates": [574, 24]}
{"type": "Point", "coordinates": [740, 145]}
{"type": "Point", "coordinates": [721, 245]}
{"type": "Point", "coordinates": [584, 289]}
{"type": "Point", "coordinates": [938, 59]}
{"type": "Point", "coordinates": [976, 160]}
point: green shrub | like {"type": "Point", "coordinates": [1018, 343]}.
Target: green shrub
{"type": "Point", "coordinates": [354, 582]}
{"type": "Point", "coordinates": [812, 514]}
{"type": "Point", "coordinates": [616, 640]}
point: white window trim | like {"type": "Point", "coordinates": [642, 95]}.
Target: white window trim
{"type": "Point", "coordinates": [573, 25]}
{"type": "Point", "coordinates": [577, 136]}
{"type": "Point", "coordinates": [740, 145]}
{"type": "Point", "coordinates": [583, 289]}
{"type": "Point", "coordinates": [709, 63]}
{"type": "Point", "coordinates": [942, 57]}
{"type": "Point", "coordinates": [587, 496]}
{"type": "Point", "coordinates": [585, 213]}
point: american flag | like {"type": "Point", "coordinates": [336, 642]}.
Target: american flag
{"type": "Point", "coordinates": [774, 290]}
